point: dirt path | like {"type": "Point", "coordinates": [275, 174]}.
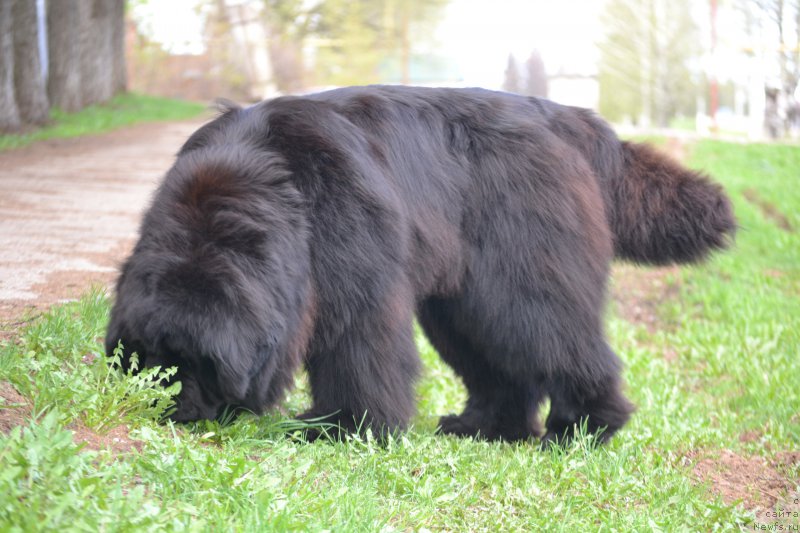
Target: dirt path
{"type": "Point", "coordinates": [69, 211]}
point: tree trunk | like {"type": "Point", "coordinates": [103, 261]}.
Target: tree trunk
{"type": "Point", "coordinates": [64, 46]}
{"type": "Point", "coordinates": [536, 82]}
{"type": "Point", "coordinates": [96, 65]}
{"type": "Point", "coordinates": [29, 85]}
{"type": "Point", "coordinates": [119, 81]}
{"type": "Point", "coordinates": [9, 115]}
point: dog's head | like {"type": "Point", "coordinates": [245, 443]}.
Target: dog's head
{"type": "Point", "coordinates": [219, 284]}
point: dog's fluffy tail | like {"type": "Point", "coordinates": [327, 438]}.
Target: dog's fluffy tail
{"type": "Point", "coordinates": [663, 213]}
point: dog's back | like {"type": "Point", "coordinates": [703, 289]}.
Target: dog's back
{"type": "Point", "coordinates": [340, 216]}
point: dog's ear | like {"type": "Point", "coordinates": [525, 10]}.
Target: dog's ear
{"type": "Point", "coordinates": [242, 365]}
{"type": "Point", "coordinates": [254, 378]}
{"type": "Point", "coordinates": [269, 366]}
{"type": "Point", "coordinates": [223, 105]}
{"type": "Point", "coordinates": [232, 364]}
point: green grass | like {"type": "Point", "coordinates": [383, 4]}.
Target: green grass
{"type": "Point", "coordinates": [734, 327]}
{"type": "Point", "coordinates": [122, 110]}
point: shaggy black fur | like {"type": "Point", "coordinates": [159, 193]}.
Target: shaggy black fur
{"type": "Point", "coordinates": [313, 229]}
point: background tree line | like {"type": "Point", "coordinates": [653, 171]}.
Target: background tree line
{"type": "Point", "coordinates": [656, 62]}
{"type": "Point", "coordinates": [645, 61]}
{"type": "Point", "coordinates": [530, 80]}
{"type": "Point", "coordinates": [61, 53]}
{"type": "Point", "coordinates": [334, 42]}
{"type": "Point", "coordinates": [779, 22]}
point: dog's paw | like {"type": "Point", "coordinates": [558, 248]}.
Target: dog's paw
{"type": "Point", "coordinates": [329, 426]}
{"type": "Point", "coordinates": [459, 426]}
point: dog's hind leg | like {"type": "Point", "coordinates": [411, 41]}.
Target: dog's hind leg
{"type": "Point", "coordinates": [535, 312]}
{"type": "Point", "coordinates": [601, 407]}
{"type": "Point", "coordinates": [498, 407]}
{"type": "Point", "coordinates": [550, 332]}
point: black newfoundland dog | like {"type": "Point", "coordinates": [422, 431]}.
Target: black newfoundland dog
{"type": "Point", "coordinates": [312, 230]}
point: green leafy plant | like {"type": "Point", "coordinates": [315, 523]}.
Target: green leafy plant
{"type": "Point", "coordinates": [124, 395]}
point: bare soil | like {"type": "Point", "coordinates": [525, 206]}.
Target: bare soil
{"type": "Point", "coordinates": [14, 408]}
{"type": "Point", "coordinates": [768, 209]}
{"type": "Point", "coordinates": [761, 485]}
{"type": "Point", "coordinates": [15, 411]}
{"type": "Point", "coordinates": [638, 292]}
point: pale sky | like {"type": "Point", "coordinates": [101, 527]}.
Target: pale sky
{"type": "Point", "coordinates": [176, 24]}
{"type": "Point", "coordinates": [479, 36]}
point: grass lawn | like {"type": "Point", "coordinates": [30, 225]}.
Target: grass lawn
{"type": "Point", "coordinates": [122, 110]}
{"type": "Point", "coordinates": [715, 374]}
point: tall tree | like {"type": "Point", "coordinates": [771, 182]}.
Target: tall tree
{"type": "Point", "coordinates": [85, 51]}
{"type": "Point", "coordinates": [352, 40]}
{"type": "Point", "coordinates": [289, 23]}
{"type": "Point", "coordinates": [96, 58]}
{"type": "Point", "coordinates": [349, 47]}
{"type": "Point", "coordinates": [779, 20]}
{"type": "Point", "coordinates": [119, 74]}
{"type": "Point", "coordinates": [9, 115]}
{"type": "Point", "coordinates": [511, 81]}
{"type": "Point", "coordinates": [785, 16]}
{"type": "Point", "coordinates": [65, 49]}
{"type": "Point", "coordinates": [644, 58]}
{"type": "Point", "coordinates": [29, 85]}
{"type": "Point", "coordinates": [535, 76]}
{"type": "Point", "coordinates": [406, 23]}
